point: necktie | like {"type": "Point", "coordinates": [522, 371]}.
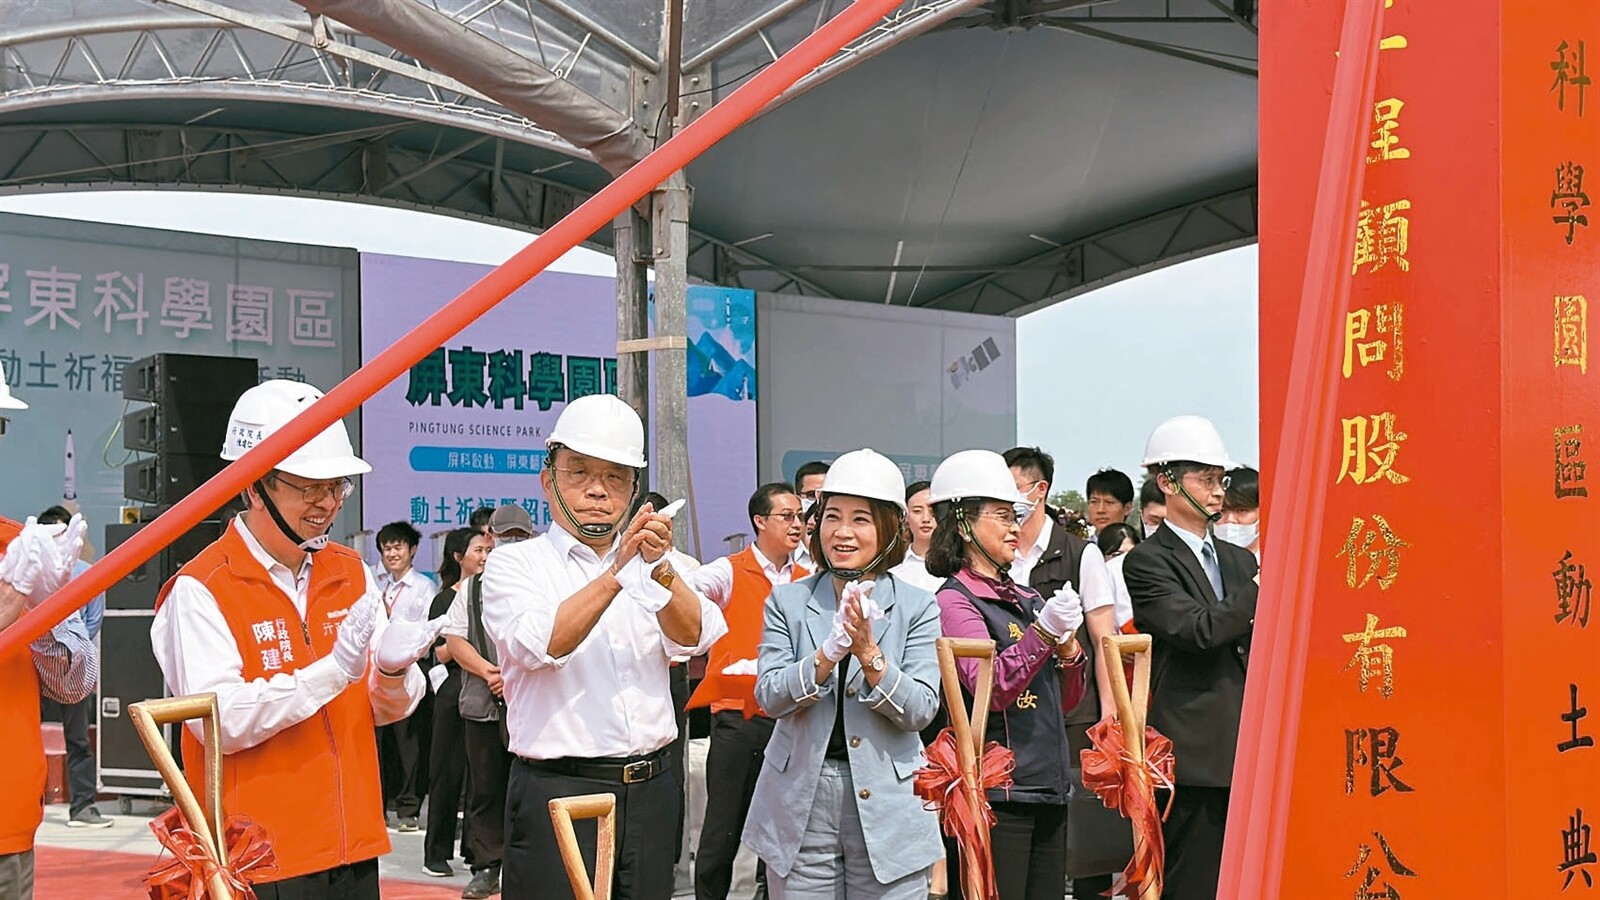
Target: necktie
{"type": "Point", "coordinates": [1208, 557]}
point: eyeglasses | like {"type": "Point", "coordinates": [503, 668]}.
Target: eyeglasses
{"type": "Point", "coordinates": [785, 517]}
{"type": "Point", "coordinates": [1211, 482]}
{"type": "Point", "coordinates": [1007, 518]}
{"type": "Point", "coordinates": [614, 482]}
{"type": "Point", "coordinates": [339, 489]}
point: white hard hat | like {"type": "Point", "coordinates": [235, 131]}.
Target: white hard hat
{"type": "Point", "coordinates": [601, 426]}
{"type": "Point", "coordinates": [269, 406]}
{"type": "Point", "coordinates": [7, 401]}
{"type": "Point", "coordinates": [974, 474]}
{"type": "Point", "coordinates": [866, 473]}
{"type": "Point", "coordinates": [1186, 439]}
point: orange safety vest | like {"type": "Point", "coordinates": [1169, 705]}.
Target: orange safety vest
{"type": "Point", "coordinates": [745, 614]}
{"type": "Point", "coordinates": [21, 805]}
{"type": "Point", "coordinates": [314, 785]}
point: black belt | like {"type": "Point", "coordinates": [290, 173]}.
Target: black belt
{"type": "Point", "coordinates": [631, 770]}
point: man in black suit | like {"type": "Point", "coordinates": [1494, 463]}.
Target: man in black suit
{"type": "Point", "coordinates": [1196, 596]}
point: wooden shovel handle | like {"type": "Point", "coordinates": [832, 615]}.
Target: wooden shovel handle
{"type": "Point", "coordinates": [563, 810]}
{"type": "Point", "coordinates": [206, 822]}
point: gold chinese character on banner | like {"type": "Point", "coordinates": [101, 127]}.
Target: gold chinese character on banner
{"type": "Point", "coordinates": [1382, 237]}
{"type": "Point", "coordinates": [1569, 200]}
{"type": "Point", "coordinates": [1572, 332]}
{"type": "Point", "coordinates": [1382, 561]}
{"type": "Point", "coordinates": [1374, 659]}
{"type": "Point", "coordinates": [1568, 66]}
{"type": "Point", "coordinates": [1386, 121]}
{"type": "Point", "coordinates": [1569, 467]}
{"type": "Point", "coordinates": [1362, 324]}
{"type": "Point", "coordinates": [1369, 447]}
{"type": "Point", "coordinates": [1370, 870]}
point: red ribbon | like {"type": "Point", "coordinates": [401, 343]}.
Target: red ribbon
{"type": "Point", "coordinates": [938, 782]}
{"type": "Point", "coordinates": [188, 875]}
{"type": "Point", "coordinates": [1129, 788]}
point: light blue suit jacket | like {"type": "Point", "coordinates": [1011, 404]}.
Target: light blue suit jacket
{"type": "Point", "coordinates": [901, 836]}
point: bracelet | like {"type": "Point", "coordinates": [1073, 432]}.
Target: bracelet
{"type": "Point", "coordinates": [1049, 638]}
{"type": "Point", "coordinates": [1072, 662]}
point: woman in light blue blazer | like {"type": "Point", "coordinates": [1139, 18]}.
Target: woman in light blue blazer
{"type": "Point", "coordinates": [850, 674]}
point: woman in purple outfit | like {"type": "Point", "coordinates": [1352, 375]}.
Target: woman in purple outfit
{"type": "Point", "coordinates": [1039, 668]}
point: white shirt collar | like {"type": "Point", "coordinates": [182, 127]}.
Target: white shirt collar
{"type": "Point", "coordinates": [768, 565]}
{"type": "Point", "coordinates": [1194, 541]}
{"type": "Point", "coordinates": [566, 544]}
{"type": "Point", "coordinates": [1042, 542]}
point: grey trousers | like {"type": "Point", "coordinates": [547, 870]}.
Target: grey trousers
{"type": "Point", "coordinates": [16, 876]}
{"type": "Point", "coordinates": [832, 863]}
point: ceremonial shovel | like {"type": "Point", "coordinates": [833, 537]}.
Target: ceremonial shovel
{"type": "Point", "coordinates": [969, 745]}
{"type": "Point", "coordinates": [1131, 712]}
{"type": "Point", "coordinates": [589, 806]}
{"type": "Point", "coordinates": [207, 822]}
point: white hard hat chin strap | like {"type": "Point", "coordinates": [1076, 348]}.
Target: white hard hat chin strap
{"type": "Point", "coordinates": [597, 530]}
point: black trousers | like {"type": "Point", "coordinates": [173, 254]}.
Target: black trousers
{"type": "Point", "coordinates": [447, 774]}
{"type": "Point", "coordinates": [1029, 843]}
{"type": "Point", "coordinates": [645, 812]}
{"type": "Point", "coordinates": [75, 718]}
{"type": "Point", "coordinates": [678, 684]}
{"type": "Point", "coordinates": [357, 881]}
{"type": "Point", "coordinates": [490, 764]}
{"type": "Point", "coordinates": [733, 762]}
{"type": "Point", "coordinates": [403, 750]}
{"type": "Point", "coordinates": [1193, 835]}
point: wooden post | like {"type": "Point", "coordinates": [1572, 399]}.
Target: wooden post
{"type": "Point", "coordinates": [589, 806]}
{"type": "Point", "coordinates": [207, 821]}
{"type": "Point", "coordinates": [1132, 708]}
{"type": "Point", "coordinates": [969, 729]}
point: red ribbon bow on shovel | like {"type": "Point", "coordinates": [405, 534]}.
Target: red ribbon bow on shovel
{"type": "Point", "coordinates": [186, 875]}
{"type": "Point", "coordinates": [938, 784]}
{"type": "Point", "coordinates": [1124, 785]}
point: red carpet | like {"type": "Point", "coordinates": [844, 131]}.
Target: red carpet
{"type": "Point", "coordinates": [62, 874]}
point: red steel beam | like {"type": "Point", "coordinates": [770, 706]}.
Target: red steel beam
{"type": "Point", "coordinates": [598, 211]}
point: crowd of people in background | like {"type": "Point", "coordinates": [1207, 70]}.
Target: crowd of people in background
{"type": "Point", "coordinates": [550, 665]}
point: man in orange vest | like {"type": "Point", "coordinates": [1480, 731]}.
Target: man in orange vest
{"type": "Point", "coordinates": [739, 731]}
{"type": "Point", "coordinates": [288, 630]}
{"type": "Point", "coordinates": [35, 561]}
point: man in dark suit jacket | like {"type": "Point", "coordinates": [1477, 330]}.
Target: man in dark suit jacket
{"type": "Point", "coordinates": [1196, 596]}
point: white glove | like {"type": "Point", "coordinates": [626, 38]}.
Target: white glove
{"type": "Point", "coordinates": [634, 576]}
{"type": "Point", "coordinates": [1062, 614]}
{"type": "Point", "coordinates": [742, 667]}
{"type": "Point", "coordinates": [355, 632]}
{"type": "Point", "coordinates": [836, 645]}
{"type": "Point", "coordinates": [862, 592]}
{"type": "Point", "coordinates": [408, 635]}
{"type": "Point", "coordinates": [40, 559]}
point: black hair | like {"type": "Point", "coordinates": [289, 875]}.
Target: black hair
{"type": "Point", "coordinates": [761, 501]}
{"type": "Point", "coordinates": [815, 467]}
{"type": "Point", "coordinates": [1110, 538]}
{"type": "Point", "coordinates": [915, 488]}
{"type": "Point", "coordinates": [399, 531]}
{"type": "Point", "coordinates": [1032, 459]}
{"type": "Point", "coordinates": [1244, 489]}
{"type": "Point", "coordinates": [1150, 492]}
{"type": "Point", "coordinates": [947, 548]}
{"type": "Point", "coordinates": [1112, 482]}
{"type": "Point", "coordinates": [480, 518]}
{"type": "Point", "coordinates": [55, 515]}
{"type": "Point", "coordinates": [455, 544]}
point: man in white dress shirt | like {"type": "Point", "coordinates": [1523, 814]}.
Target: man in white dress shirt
{"type": "Point", "coordinates": [289, 631]}
{"type": "Point", "coordinates": [585, 619]}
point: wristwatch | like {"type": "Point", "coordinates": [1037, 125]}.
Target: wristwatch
{"type": "Point", "coordinates": [877, 663]}
{"type": "Point", "coordinates": [663, 575]}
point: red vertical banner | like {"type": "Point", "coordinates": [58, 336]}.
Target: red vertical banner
{"type": "Point", "coordinates": [1442, 748]}
{"type": "Point", "coordinates": [1550, 135]}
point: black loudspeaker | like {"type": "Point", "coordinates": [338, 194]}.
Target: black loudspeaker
{"type": "Point", "coordinates": [184, 429]}
{"type": "Point", "coordinates": [186, 379]}
{"type": "Point", "coordinates": [128, 675]}
{"type": "Point", "coordinates": [139, 588]}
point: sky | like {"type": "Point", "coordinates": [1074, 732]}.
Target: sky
{"type": "Point", "coordinates": [1095, 374]}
